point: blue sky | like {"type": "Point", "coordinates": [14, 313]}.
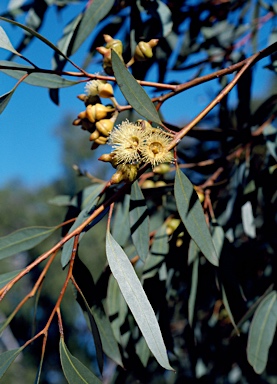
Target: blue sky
{"type": "Point", "coordinates": [29, 150]}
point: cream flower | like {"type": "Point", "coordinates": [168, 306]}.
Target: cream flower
{"type": "Point", "coordinates": [127, 140]}
{"type": "Point", "coordinates": [155, 148]}
{"type": "Point", "coordinates": [91, 87]}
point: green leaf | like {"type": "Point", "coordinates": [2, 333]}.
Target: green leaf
{"type": "Point", "coordinates": [23, 239]}
{"type": "Point", "coordinates": [121, 223]}
{"type": "Point", "coordinates": [109, 343]}
{"type": "Point", "coordinates": [5, 42]}
{"type": "Point", "coordinates": [6, 277]}
{"type": "Point", "coordinates": [7, 358]}
{"type": "Point", "coordinates": [139, 221]}
{"type": "Point", "coordinates": [228, 309]}
{"type": "Point", "coordinates": [261, 333]}
{"type": "Point", "coordinates": [4, 99]}
{"type": "Point", "coordinates": [117, 310]}
{"type": "Point", "coordinates": [143, 351]}
{"type": "Point", "coordinates": [192, 216]}
{"type": "Point", "coordinates": [133, 92]}
{"type": "Point", "coordinates": [37, 35]}
{"type": "Point", "coordinates": [90, 196]}
{"type": "Point", "coordinates": [193, 290]}
{"type": "Point", "coordinates": [159, 250]}
{"type": "Point", "coordinates": [74, 371]}
{"type": "Point", "coordinates": [136, 299]}
{"type": "Point", "coordinates": [97, 10]}
{"type": "Point", "coordinates": [40, 79]}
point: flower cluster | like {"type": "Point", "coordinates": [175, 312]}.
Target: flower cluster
{"type": "Point", "coordinates": [135, 144]}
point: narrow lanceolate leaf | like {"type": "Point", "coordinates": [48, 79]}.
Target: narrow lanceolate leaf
{"type": "Point", "coordinates": [228, 309]}
{"type": "Point", "coordinates": [191, 213]}
{"type": "Point", "coordinates": [37, 35]}
{"type": "Point", "coordinates": [6, 277]}
{"type": "Point", "coordinates": [139, 221]}
{"type": "Point", "coordinates": [261, 332]}
{"type": "Point", "coordinates": [193, 290]}
{"type": "Point", "coordinates": [4, 99]}
{"type": "Point", "coordinates": [46, 80]}
{"type": "Point", "coordinates": [136, 299]}
{"type": "Point", "coordinates": [23, 239]}
{"type": "Point", "coordinates": [7, 358]}
{"type": "Point", "coordinates": [75, 371]}
{"type": "Point", "coordinates": [97, 10]}
{"type": "Point", "coordinates": [5, 42]}
{"type": "Point", "coordinates": [133, 92]}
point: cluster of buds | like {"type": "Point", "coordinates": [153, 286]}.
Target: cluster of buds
{"type": "Point", "coordinates": [135, 144]}
{"type": "Point", "coordinates": [143, 51]}
{"type": "Point", "coordinates": [97, 119]}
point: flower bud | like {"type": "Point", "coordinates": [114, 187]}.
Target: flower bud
{"type": "Point", "coordinates": [161, 169]}
{"type": "Point", "coordinates": [115, 44]}
{"type": "Point", "coordinates": [148, 184]}
{"type": "Point", "coordinates": [101, 140]}
{"type": "Point", "coordinates": [105, 90]}
{"type": "Point", "coordinates": [97, 112]}
{"type": "Point", "coordinates": [82, 115]}
{"type": "Point", "coordinates": [117, 177]}
{"type": "Point", "coordinates": [160, 183]}
{"type": "Point", "coordinates": [104, 126]}
{"type": "Point", "coordinates": [77, 122]}
{"type": "Point", "coordinates": [144, 51]}
{"type": "Point", "coordinates": [94, 135]}
{"type": "Point", "coordinates": [106, 157]}
{"type": "Point", "coordinates": [172, 226]}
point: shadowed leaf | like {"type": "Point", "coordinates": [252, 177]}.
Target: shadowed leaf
{"type": "Point", "coordinates": [262, 330]}
{"type": "Point", "coordinates": [139, 222]}
{"type": "Point", "coordinates": [74, 371]}
{"type": "Point", "coordinates": [192, 215]}
{"type": "Point", "coordinates": [4, 99]}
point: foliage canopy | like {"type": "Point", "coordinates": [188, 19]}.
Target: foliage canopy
{"type": "Point", "coordinates": [185, 260]}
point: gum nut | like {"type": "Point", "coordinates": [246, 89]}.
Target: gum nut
{"type": "Point", "coordinates": [161, 169]}
{"type": "Point", "coordinates": [94, 135]}
{"type": "Point", "coordinates": [105, 90]}
{"type": "Point", "coordinates": [143, 51]}
{"type": "Point", "coordinates": [153, 42]}
{"type": "Point", "coordinates": [104, 126]}
{"type": "Point", "coordinates": [160, 183]}
{"type": "Point", "coordinates": [148, 184]}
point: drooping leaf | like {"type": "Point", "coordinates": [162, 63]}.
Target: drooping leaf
{"type": "Point", "coordinates": [248, 220]}
{"type": "Point", "coordinates": [261, 333]}
{"type": "Point", "coordinates": [75, 371]}
{"type": "Point", "coordinates": [4, 99]}
{"type": "Point", "coordinates": [46, 80]}
{"type": "Point", "coordinates": [121, 222]}
{"type": "Point", "coordinates": [193, 290]}
{"type": "Point", "coordinates": [96, 11]}
{"type": "Point", "coordinates": [94, 331]}
{"type": "Point", "coordinates": [6, 277]}
{"type": "Point", "coordinates": [92, 195]}
{"type": "Point", "coordinates": [109, 343]}
{"type": "Point", "coordinates": [23, 239]}
{"type": "Point", "coordinates": [191, 213]}
{"type": "Point", "coordinates": [7, 358]}
{"type": "Point", "coordinates": [133, 92]}
{"type": "Point", "coordinates": [36, 34]}
{"type": "Point", "coordinates": [5, 42]}
{"type": "Point", "coordinates": [228, 309]}
{"type": "Point", "coordinates": [117, 310]}
{"type": "Point", "coordinates": [143, 351]}
{"type": "Point", "coordinates": [136, 299]}
{"type": "Point", "coordinates": [139, 221]}
{"type": "Point", "coordinates": [159, 250]}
